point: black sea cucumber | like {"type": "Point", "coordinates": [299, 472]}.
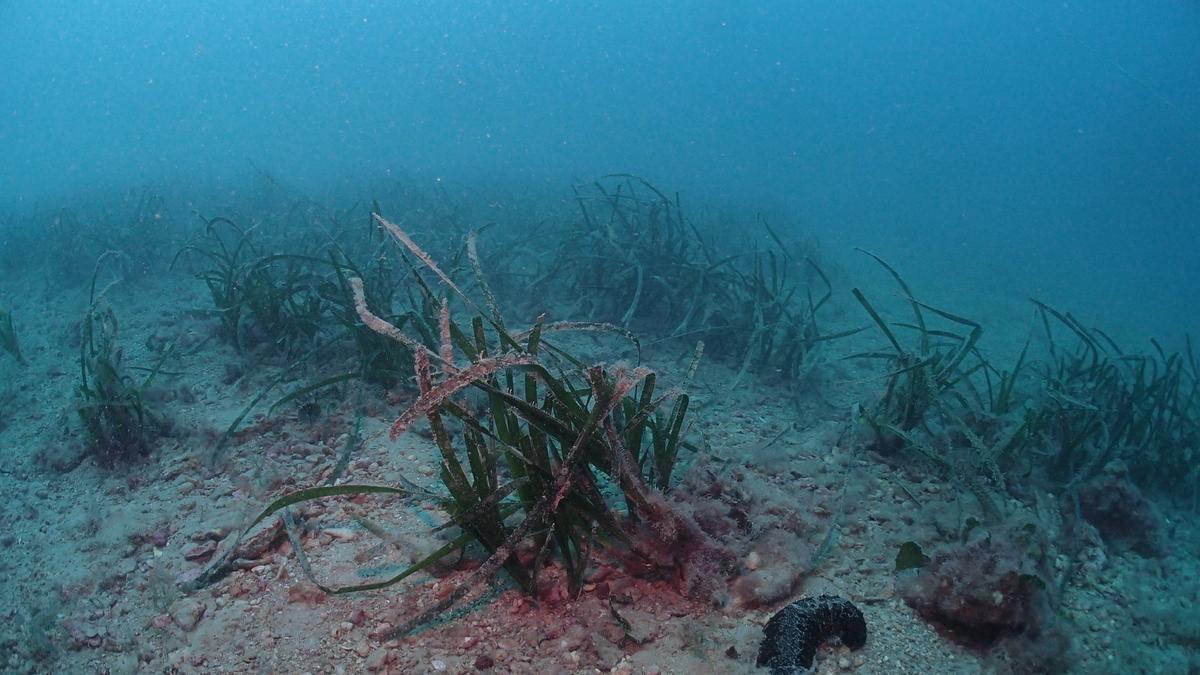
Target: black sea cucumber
{"type": "Point", "coordinates": [794, 633]}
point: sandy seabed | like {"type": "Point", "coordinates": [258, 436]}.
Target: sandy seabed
{"type": "Point", "coordinates": [92, 557]}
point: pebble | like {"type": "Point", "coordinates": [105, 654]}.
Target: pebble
{"type": "Point", "coordinates": [341, 533]}
{"type": "Point", "coordinates": [381, 631]}
{"type": "Point", "coordinates": [307, 593]}
{"type": "Point", "coordinates": [187, 613]}
{"type": "Point", "coordinates": [199, 552]}
{"type": "Point", "coordinates": [125, 567]}
{"type": "Point", "coordinates": [377, 660]}
{"type": "Point", "coordinates": [159, 537]}
{"type": "Point", "coordinates": [211, 534]}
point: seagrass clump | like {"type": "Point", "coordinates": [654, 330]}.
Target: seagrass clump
{"type": "Point", "coordinates": [542, 456]}
{"type": "Point", "coordinates": [942, 401]}
{"type": "Point", "coordinates": [117, 423]}
{"type": "Point", "coordinates": [634, 259]}
{"type": "Point", "coordinates": [8, 337]}
{"type": "Point", "coordinates": [1102, 404]}
{"type": "Point", "coordinates": [919, 375]}
{"type": "Point", "coordinates": [272, 298]}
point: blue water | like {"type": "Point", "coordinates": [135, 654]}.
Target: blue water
{"type": "Point", "coordinates": [1059, 142]}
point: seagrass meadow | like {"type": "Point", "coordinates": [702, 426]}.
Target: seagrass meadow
{"type": "Point", "coordinates": [394, 436]}
{"type": "Point", "coordinates": [627, 338]}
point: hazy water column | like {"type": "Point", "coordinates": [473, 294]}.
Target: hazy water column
{"type": "Point", "coordinates": [964, 136]}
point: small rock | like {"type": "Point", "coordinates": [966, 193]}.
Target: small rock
{"type": "Point", "coordinates": [212, 534]}
{"type": "Point", "coordinates": [124, 567]}
{"type": "Point", "coordinates": [377, 660]}
{"type": "Point", "coordinates": [381, 631]}
{"type": "Point", "coordinates": [159, 537]}
{"type": "Point", "coordinates": [84, 635]}
{"type": "Point", "coordinates": [63, 458]}
{"type": "Point", "coordinates": [189, 577]}
{"type": "Point", "coordinates": [341, 533]}
{"type": "Point", "coordinates": [186, 613]}
{"type": "Point", "coordinates": [307, 593]}
{"type": "Point", "coordinates": [113, 646]}
{"type": "Point", "coordinates": [201, 552]}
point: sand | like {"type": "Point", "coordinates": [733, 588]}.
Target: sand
{"type": "Point", "coordinates": [92, 556]}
